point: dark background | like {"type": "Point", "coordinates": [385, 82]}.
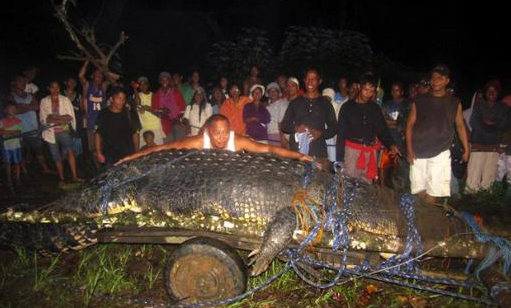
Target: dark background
{"type": "Point", "coordinates": [176, 35]}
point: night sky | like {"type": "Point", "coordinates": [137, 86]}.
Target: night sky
{"type": "Point", "coordinates": [469, 37]}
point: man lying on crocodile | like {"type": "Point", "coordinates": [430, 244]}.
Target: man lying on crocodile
{"type": "Point", "coordinates": [219, 136]}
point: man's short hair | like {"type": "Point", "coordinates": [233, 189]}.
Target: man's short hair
{"type": "Point", "coordinates": [148, 133]}
{"type": "Point", "coordinates": [441, 69]}
{"type": "Point", "coordinates": [216, 118]}
{"type": "Point", "coordinates": [368, 79]}
{"type": "Point", "coordinates": [116, 91]}
{"type": "Point", "coordinates": [313, 69]}
{"type": "Point", "coordinates": [399, 84]}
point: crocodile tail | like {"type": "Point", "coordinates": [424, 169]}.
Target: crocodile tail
{"type": "Point", "coordinates": [48, 238]}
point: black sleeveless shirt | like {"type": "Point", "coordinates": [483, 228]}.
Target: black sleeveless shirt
{"type": "Point", "coordinates": [433, 131]}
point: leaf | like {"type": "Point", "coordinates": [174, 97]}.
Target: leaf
{"type": "Point", "coordinates": [402, 299]}
{"type": "Point", "coordinates": [418, 302]}
{"type": "Point", "coordinates": [371, 289]}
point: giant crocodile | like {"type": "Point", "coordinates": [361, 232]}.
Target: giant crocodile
{"type": "Point", "coordinates": [250, 195]}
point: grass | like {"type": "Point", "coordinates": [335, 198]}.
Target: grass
{"type": "Point", "coordinates": [125, 271]}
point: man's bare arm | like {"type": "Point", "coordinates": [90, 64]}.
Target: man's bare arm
{"type": "Point", "coordinates": [248, 145]}
{"type": "Point", "coordinates": [412, 117]}
{"type": "Point", "coordinates": [462, 133]}
{"type": "Point", "coordinates": [194, 142]}
{"type": "Point", "coordinates": [81, 75]}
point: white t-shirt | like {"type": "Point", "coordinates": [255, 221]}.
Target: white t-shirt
{"type": "Point", "coordinates": [192, 114]}
{"type": "Point", "coordinates": [277, 111]}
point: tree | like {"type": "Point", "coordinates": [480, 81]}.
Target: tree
{"type": "Point", "coordinates": [334, 52]}
{"type": "Point", "coordinates": [100, 55]}
{"type": "Point", "coordinates": [234, 58]}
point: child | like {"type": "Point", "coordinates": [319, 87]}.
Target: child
{"type": "Point", "coordinates": [148, 139]}
{"type": "Point", "coordinates": [10, 129]}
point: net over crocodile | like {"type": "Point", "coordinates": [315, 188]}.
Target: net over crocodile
{"type": "Point", "coordinates": [252, 195]}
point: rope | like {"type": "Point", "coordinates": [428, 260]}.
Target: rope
{"type": "Point", "coordinates": [335, 221]}
{"type": "Point", "coordinates": [501, 248]}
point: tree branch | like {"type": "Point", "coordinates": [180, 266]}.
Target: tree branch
{"type": "Point", "coordinates": [121, 41]}
{"type": "Point", "coordinates": [90, 37]}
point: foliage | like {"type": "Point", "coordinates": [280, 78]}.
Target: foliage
{"type": "Point", "coordinates": [234, 58]}
{"type": "Point", "coordinates": [333, 51]}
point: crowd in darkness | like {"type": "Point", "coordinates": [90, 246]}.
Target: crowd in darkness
{"type": "Point", "coordinates": [96, 117]}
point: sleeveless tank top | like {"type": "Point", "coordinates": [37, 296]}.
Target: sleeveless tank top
{"type": "Point", "coordinates": [230, 142]}
{"type": "Point", "coordinates": [95, 102]}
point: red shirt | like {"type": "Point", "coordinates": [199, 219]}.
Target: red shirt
{"type": "Point", "coordinates": [173, 101]}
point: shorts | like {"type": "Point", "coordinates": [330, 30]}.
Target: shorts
{"type": "Point", "coordinates": [432, 175]}
{"type": "Point", "coordinates": [32, 142]}
{"type": "Point", "coordinates": [63, 143]}
{"type": "Point", "coordinates": [12, 156]}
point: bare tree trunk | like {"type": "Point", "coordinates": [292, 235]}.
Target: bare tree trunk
{"type": "Point", "coordinates": [86, 43]}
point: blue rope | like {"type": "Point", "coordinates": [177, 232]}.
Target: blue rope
{"type": "Point", "coordinates": [501, 248]}
{"type": "Point", "coordinates": [402, 266]}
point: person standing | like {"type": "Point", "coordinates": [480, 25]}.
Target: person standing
{"type": "Point", "coordinates": [232, 109]}
{"type": "Point", "coordinates": [57, 110]}
{"type": "Point", "coordinates": [77, 102]}
{"type": "Point", "coordinates": [115, 134]}
{"type": "Point", "coordinates": [361, 130]}
{"type": "Point", "coordinates": [486, 121]}
{"type": "Point", "coordinates": [197, 113]}
{"type": "Point", "coordinates": [26, 109]}
{"type": "Point", "coordinates": [430, 130]}
{"type": "Point", "coordinates": [256, 116]}
{"type": "Point", "coordinates": [277, 106]}
{"type": "Point", "coordinates": [310, 118]}
{"type": "Point", "coordinates": [94, 95]}
{"type": "Point", "coordinates": [149, 118]}
{"type": "Point", "coordinates": [169, 102]}
{"type": "Point", "coordinates": [10, 131]}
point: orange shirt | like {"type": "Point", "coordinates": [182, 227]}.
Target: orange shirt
{"type": "Point", "coordinates": [234, 112]}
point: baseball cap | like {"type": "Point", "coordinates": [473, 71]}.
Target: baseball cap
{"type": "Point", "coordinates": [294, 80]}
{"type": "Point", "coordinates": [441, 69]}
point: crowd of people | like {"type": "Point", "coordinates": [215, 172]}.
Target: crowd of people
{"type": "Point", "coordinates": [423, 128]}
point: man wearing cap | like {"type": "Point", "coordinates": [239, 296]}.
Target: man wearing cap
{"type": "Point", "coordinates": [429, 134]}
{"type": "Point", "coordinates": [149, 118]}
{"type": "Point", "coordinates": [277, 106]}
{"type": "Point", "coordinates": [171, 105]}
{"type": "Point", "coordinates": [310, 114]}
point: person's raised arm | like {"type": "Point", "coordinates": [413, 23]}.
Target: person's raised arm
{"type": "Point", "coordinates": [81, 76]}
{"type": "Point", "coordinates": [410, 123]}
{"type": "Point", "coordinates": [249, 145]}
{"type": "Point", "coordinates": [194, 142]}
{"type": "Point", "coordinates": [462, 133]}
